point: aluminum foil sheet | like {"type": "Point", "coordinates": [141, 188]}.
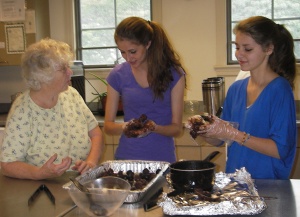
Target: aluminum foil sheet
{"type": "Point", "coordinates": [136, 167]}
{"type": "Point", "coordinates": [233, 194]}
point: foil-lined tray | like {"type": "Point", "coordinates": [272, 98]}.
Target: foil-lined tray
{"type": "Point", "coordinates": [233, 194]}
{"type": "Point", "coordinates": [135, 166]}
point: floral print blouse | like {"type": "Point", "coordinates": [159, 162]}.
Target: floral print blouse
{"type": "Point", "coordinates": [33, 134]}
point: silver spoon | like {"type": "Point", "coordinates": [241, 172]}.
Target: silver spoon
{"type": "Point", "coordinates": [95, 208]}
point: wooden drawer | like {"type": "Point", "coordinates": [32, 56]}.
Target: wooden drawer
{"type": "Point", "coordinates": [188, 152]}
{"type": "Point", "coordinates": [108, 139]}
{"type": "Point", "coordinates": [186, 140]}
{"type": "Point", "coordinates": [295, 174]}
{"type": "Point", "coordinates": [108, 153]}
{"type": "Point", "coordinates": [219, 160]}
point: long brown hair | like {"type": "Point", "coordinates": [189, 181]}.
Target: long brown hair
{"type": "Point", "coordinates": [266, 32]}
{"type": "Point", "coordinates": [160, 56]}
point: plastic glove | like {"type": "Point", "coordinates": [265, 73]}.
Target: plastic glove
{"type": "Point", "coordinates": [219, 129]}
{"type": "Point", "coordinates": [195, 122]}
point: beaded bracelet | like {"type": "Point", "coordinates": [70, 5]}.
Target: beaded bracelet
{"type": "Point", "coordinates": [245, 138]}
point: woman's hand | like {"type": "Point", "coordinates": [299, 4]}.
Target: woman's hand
{"type": "Point", "coordinates": [82, 166]}
{"type": "Point", "coordinates": [218, 129]}
{"type": "Point", "coordinates": [124, 125]}
{"type": "Point", "coordinates": [22, 170]}
{"type": "Point", "coordinates": [51, 170]}
{"type": "Point", "coordinates": [140, 127]}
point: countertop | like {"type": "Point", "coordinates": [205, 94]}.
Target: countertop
{"type": "Point", "coordinates": [4, 108]}
{"type": "Point", "coordinates": [15, 194]}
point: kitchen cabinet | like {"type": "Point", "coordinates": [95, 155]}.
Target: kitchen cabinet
{"type": "Point", "coordinates": [109, 150]}
{"type": "Point", "coordinates": [219, 160]}
{"type": "Point", "coordinates": [295, 174]}
{"type": "Point", "coordinates": [186, 149]}
{"type": "Point", "coordinates": [42, 24]}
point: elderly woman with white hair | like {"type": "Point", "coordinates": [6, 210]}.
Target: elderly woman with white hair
{"type": "Point", "coordinates": [49, 129]}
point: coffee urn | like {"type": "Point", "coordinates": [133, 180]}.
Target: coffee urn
{"type": "Point", "coordinates": [78, 79]}
{"type": "Point", "coordinates": [213, 90]}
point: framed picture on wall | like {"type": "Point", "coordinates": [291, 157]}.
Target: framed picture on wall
{"type": "Point", "coordinates": [15, 38]}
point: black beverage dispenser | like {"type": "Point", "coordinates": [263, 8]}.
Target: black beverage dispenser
{"type": "Point", "coordinates": [78, 79]}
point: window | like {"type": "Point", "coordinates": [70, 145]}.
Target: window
{"type": "Point", "coordinates": [281, 11]}
{"type": "Point", "coordinates": [95, 25]}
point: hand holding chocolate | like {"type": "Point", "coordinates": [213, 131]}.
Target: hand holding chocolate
{"type": "Point", "coordinates": [140, 127]}
{"type": "Point", "coordinates": [212, 127]}
{"type": "Point", "coordinates": [219, 129]}
{"type": "Point", "coordinates": [198, 122]}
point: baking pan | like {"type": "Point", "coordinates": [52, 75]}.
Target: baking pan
{"type": "Point", "coordinates": [136, 166]}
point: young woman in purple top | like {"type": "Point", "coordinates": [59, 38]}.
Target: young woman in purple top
{"type": "Point", "coordinates": [150, 82]}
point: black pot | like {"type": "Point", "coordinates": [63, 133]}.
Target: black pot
{"type": "Point", "coordinates": [191, 174]}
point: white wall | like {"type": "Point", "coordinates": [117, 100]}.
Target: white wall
{"type": "Point", "coordinates": [191, 25]}
{"type": "Point", "coordinates": [62, 21]}
{"type": "Point", "coordinates": [197, 29]}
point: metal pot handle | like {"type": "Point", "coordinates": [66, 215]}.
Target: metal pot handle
{"type": "Point", "coordinates": [211, 156]}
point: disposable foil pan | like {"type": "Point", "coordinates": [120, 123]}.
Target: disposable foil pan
{"type": "Point", "coordinates": [243, 198]}
{"type": "Point", "coordinates": [135, 166]}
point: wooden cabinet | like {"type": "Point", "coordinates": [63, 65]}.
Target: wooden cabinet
{"type": "Point", "coordinates": [219, 160]}
{"type": "Point", "coordinates": [295, 174]}
{"type": "Point", "coordinates": [186, 149]}
{"type": "Point", "coordinates": [108, 153]}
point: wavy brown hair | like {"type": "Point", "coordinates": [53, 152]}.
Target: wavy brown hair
{"type": "Point", "coordinates": [266, 32]}
{"type": "Point", "coordinates": [160, 55]}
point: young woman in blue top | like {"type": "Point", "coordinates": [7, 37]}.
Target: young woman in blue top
{"type": "Point", "coordinates": [262, 104]}
{"type": "Point", "coordinates": [150, 82]}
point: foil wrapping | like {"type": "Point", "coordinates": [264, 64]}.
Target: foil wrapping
{"type": "Point", "coordinates": [135, 166]}
{"type": "Point", "coordinates": [233, 194]}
